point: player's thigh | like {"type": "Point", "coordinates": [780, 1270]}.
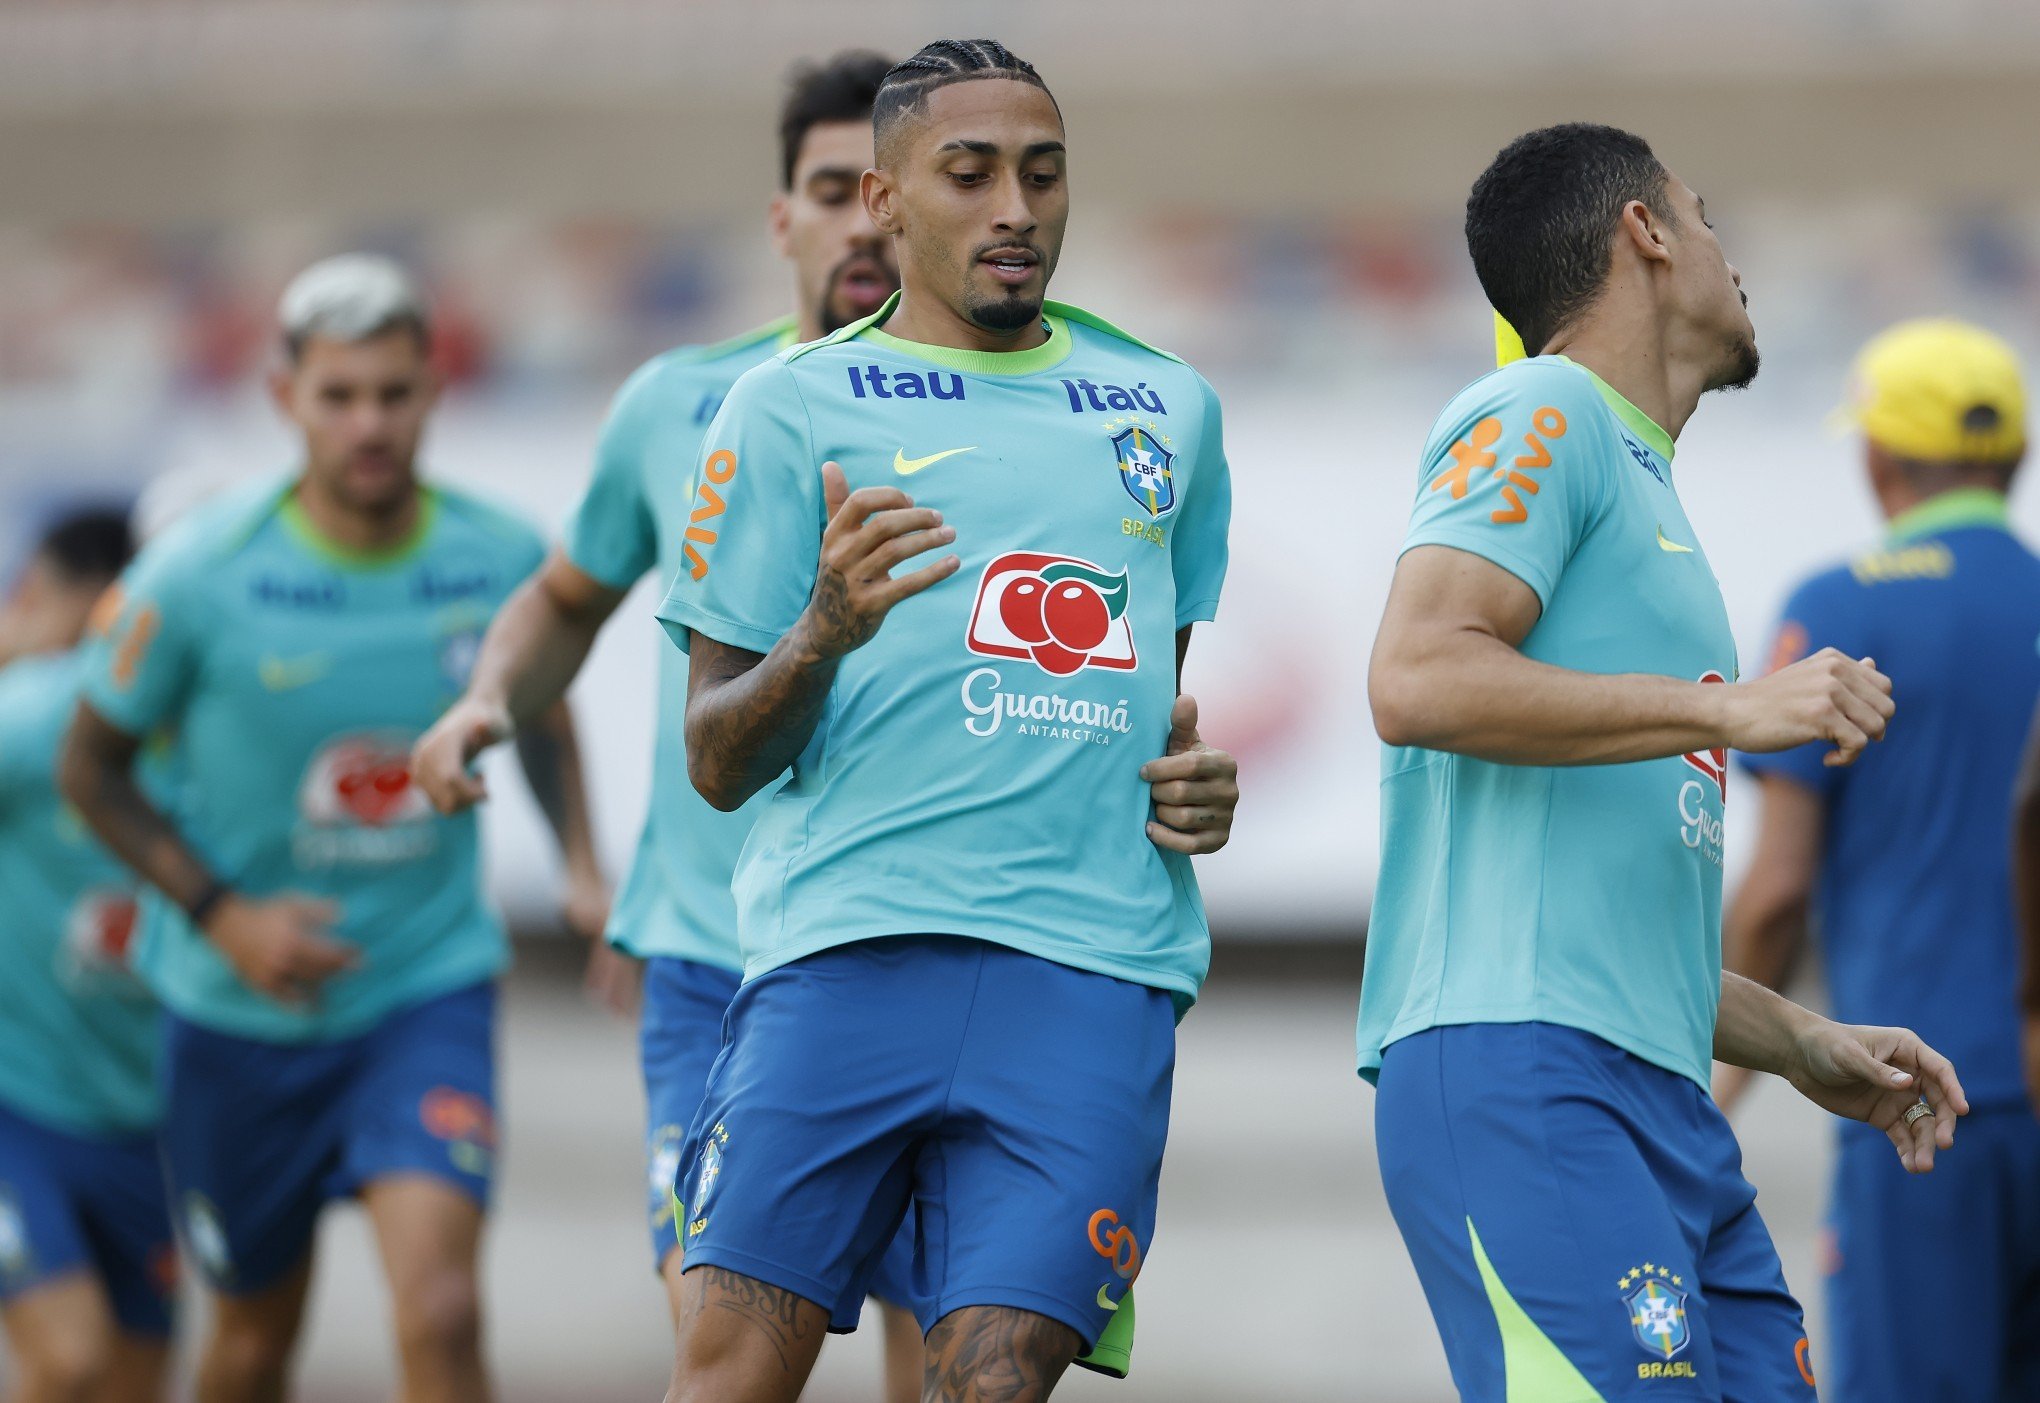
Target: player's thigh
{"type": "Point", "coordinates": [250, 1138]}
{"type": "Point", "coordinates": [424, 1101]}
{"type": "Point", "coordinates": [981, 1353]}
{"type": "Point", "coordinates": [797, 1169]}
{"type": "Point", "coordinates": [1756, 1325]}
{"type": "Point", "coordinates": [42, 1229]}
{"type": "Point", "coordinates": [140, 1369]}
{"type": "Point", "coordinates": [125, 1209]}
{"type": "Point", "coordinates": [680, 1033]}
{"type": "Point", "coordinates": [1039, 1191]}
{"type": "Point", "coordinates": [1921, 1269]}
{"type": "Point", "coordinates": [1558, 1267]}
{"type": "Point", "coordinates": [742, 1340]}
{"type": "Point", "coordinates": [429, 1234]}
{"type": "Point", "coordinates": [61, 1332]}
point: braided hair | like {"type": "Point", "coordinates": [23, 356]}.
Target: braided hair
{"type": "Point", "coordinates": [908, 83]}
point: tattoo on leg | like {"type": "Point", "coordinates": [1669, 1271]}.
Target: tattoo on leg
{"type": "Point", "coordinates": [996, 1354]}
{"type": "Point", "coordinates": [774, 1313]}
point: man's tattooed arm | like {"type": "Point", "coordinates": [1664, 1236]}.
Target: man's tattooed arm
{"type": "Point", "coordinates": [95, 772]}
{"type": "Point", "coordinates": [748, 715]}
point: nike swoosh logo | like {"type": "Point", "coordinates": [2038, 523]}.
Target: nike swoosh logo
{"type": "Point", "coordinates": [1104, 1301]}
{"type": "Point", "coordinates": [1673, 546]}
{"type": "Point", "coordinates": [907, 467]}
{"type": "Point", "coordinates": [288, 674]}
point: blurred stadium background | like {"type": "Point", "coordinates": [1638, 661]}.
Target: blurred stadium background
{"type": "Point", "coordinates": [1270, 189]}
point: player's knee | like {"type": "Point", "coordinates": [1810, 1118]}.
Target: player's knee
{"type": "Point", "coordinates": [249, 1352]}
{"type": "Point", "coordinates": [68, 1365]}
{"type": "Point", "coordinates": [441, 1312]}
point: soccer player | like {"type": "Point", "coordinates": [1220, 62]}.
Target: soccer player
{"type": "Point", "coordinates": [675, 911]}
{"type": "Point", "coordinates": [969, 921]}
{"type": "Point", "coordinates": [321, 945]}
{"type": "Point", "coordinates": [1555, 682]}
{"type": "Point", "coordinates": [88, 1265]}
{"type": "Point", "coordinates": [1902, 860]}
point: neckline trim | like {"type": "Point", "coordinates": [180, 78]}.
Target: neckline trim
{"type": "Point", "coordinates": [307, 534]}
{"type": "Point", "coordinates": [1641, 424]}
{"type": "Point", "coordinates": [1951, 510]}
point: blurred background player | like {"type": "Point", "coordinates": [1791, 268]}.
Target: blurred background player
{"type": "Point", "coordinates": [88, 1266]}
{"type": "Point", "coordinates": [1900, 860]}
{"type": "Point", "coordinates": [320, 944]}
{"type": "Point", "coordinates": [967, 933]}
{"type": "Point", "coordinates": [1544, 982]}
{"type": "Point", "coordinates": [675, 911]}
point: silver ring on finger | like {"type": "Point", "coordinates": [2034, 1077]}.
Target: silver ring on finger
{"type": "Point", "coordinates": [1916, 1112]}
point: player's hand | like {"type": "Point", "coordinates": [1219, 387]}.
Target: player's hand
{"type": "Point", "coordinates": [1194, 787]}
{"type": "Point", "coordinates": [1829, 696]}
{"type": "Point", "coordinates": [441, 761]}
{"type": "Point", "coordinates": [869, 532]}
{"type": "Point", "coordinates": [280, 946]}
{"type": "Point", "coordinates": [612, 979]}
{"type": "Point", "coordinates": [585, 908]}
{"type": "Point", "coordinates": [1874, 1075]}
{"type": "Point", "coordinates": [2031, 1040]}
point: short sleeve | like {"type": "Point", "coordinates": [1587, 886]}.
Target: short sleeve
{"type": "Point", "coordinates": [24, 749]}
{"type": "Point", "coordinates": [754, 534]}
{"type": "Point", "coordinates": [1199, 551]}
{"type": "Point", "coordinates": [1516, 473]}
{"type": "Point", "coordinates": [1822, 613]}
{"type": "Point", "coordinates": [141, 669]}
{"type": "Point", "coordinates": [612, 536]}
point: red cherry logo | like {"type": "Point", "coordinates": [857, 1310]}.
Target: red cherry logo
{"type": "Point", "coordinates": [1056, 660]}
{"type": "Point", "coordinates": [373, 789]}
{"type": "Point", "coordinates": [1076, 615]}
{"type": "Point", "coordinates": [1020, 609]}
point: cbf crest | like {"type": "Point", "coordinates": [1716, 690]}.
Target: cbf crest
{"type": "Point", "coordinates": [1657, 1310]}
{"type": "Point", "coordinates": [1146, 468]}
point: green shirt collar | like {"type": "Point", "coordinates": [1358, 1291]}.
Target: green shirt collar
{"type": "Point", "coordinates": [1951, 510]}
{"type": "Point", "coordinates": [1640, 424]}
{"type": "Point", "coordinates": [347, 557]}
{"type": "Point", "coordinates": [1049, 354]}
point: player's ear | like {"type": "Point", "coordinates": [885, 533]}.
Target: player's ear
{"type": "Point", "coordinates": [281, 379]}
{"type": "Point", "coordinates": [1644, 231]}
{"type": "Point", "coordinates": [881, 200]}
{"type": "Point", "coordinates": [778, 217]}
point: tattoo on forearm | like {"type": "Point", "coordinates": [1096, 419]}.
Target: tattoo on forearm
{"type": "Point", "coordinates": [749, 717]}
{"type": "Point", "coordinates": [783, 1318]}
{"type": "Point", "coordinates": [97, 776]}
{"type": "Point", "coordinates": [996, 1354]}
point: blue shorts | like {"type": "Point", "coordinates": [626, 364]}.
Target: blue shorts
{"type": "Point", "coordinates": [1581, 1224]}
{"type": "Point", "coordinates": [1934, 1286]}
{"type": "Point", "coordinates": [679, 1036]}
{"type": "Point", "coordinates": [259, 1136]}
{"type": "Point", "coordinates": [71, 1203]}
{"type": "Point", "coordinates": [1014, 1109]}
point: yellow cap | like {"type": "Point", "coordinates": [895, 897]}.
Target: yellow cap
{"type": "Point", "coordinates": [1508, 345]}
{"type": "Point", "coordinates": [1940, 391]}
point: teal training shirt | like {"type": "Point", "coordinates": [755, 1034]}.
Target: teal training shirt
{"type": "Point", "coordinates": [976, 771]}
{"type": "Point", "coordinates": [1588, 896]}
{"type": "Point", "coordinates": [295, 676]}
{"type": "Point", "coordinates": [78, 1030]}
{"type": "Point", "coordinates": [676, 901]}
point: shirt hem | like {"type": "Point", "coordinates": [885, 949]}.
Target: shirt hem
{"type": "Point", "coordinates": [1669, 1059]}
{"type": "Point", "coordinates": [259, 1026]}
{"type": "Point", "coordinates": [1088, 961]}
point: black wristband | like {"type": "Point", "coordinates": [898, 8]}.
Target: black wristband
{"type": "Point", "coordinates": [206, 902]}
